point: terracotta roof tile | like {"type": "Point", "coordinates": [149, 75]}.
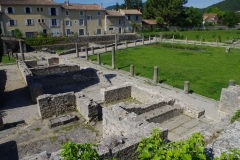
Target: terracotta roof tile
{"type": "Point", "coordinates": [114, 13]}
{"type": "Point", "coordinates": [82, 6]}
{"type": "Point", "coordinates": [209, 15]}
{"type": "Point", "coordinates": [28, 2]}
{"type": "Point", "coordinates": [149, 21]}
{"type": "Point", "coordinates": [131, 11]}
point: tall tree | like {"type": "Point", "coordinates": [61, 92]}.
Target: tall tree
{"type": "Point", "coordinates": [132, 4]}
{"type": "Point", "coordinates": [231, 19]}
{"type": "Point", "coordinates": [117, 6]}
{"type": "Point", "coordinates": [148, 11]}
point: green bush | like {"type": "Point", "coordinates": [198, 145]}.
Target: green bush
{"type": "Point", "coordinates": [39, 41]}
{"type": "Point", "coordinates": [17, 33]}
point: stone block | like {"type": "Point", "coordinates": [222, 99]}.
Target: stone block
{"type": "Point", "coordinates": [36, 90]}
{"type": "Point", "coordinates": [61, 120]}
{"type": "Point", "coordinates": [53, 61]}
{"type": "Point", "coordinates": [31, 63]}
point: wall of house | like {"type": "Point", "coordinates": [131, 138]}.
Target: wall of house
{"type": "Point", "coordinates": [90, 26]}
{"type": "Point", "coordinates": [113, 22]}
{"type": "Point", "coordinates": [20, 16]}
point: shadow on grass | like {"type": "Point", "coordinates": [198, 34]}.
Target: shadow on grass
{"type": "Point", "coordinates": [191, 91]}
{"type": "Point", "coordinates": [162, 81]}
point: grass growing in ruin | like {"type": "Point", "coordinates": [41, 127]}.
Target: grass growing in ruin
{"type": "Point", "coordinates": [6, 61]}
{"type": "Point", "coordinates": [127, 101]}
{"type": "Point", "coordinates": [207, 68]}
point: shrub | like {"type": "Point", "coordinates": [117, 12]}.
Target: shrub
{"type": "Point", "coordinates": [17, 33]}
{"type": "Point", "coordinates": [145, 30]}
{"type": "Point", "coordinates": [39, 41]}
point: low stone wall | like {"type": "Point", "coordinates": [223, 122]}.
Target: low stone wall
{"type": "Point", "coordinates": [39, 71]}
{"type": "Point", "coordinates": [24, 70]}
{"type": "Point", "coordinates": [56, 46]}
{"type": "Point", "coordinates": [53, 61]}
{"type": "Point", "coordinates": [54, 105]}
{"type": "Point", "coordinates": [229, 100]}
{"type": "Point", "coordinates": [31, 63]}
{"type": "Point", "coordinates": [36, 90]}
{"type": "Point", "coordinates": [86, 106]}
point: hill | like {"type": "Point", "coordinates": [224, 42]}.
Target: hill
{"type": "Point", "coordinates": [229, 5]}
{"type": "Point", "coordinates": [111, 7]}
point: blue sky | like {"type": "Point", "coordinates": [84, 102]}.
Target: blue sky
{"type": "Point", "coordinates": [106, 3]}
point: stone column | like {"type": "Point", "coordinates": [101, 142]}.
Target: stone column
{"type": "Point", "coordinates": [135, 43]}
{"type": "Point", "coordinates": [21, 49]}
{"type": "Point", "coordinates": [155, 76]}
{"type": "Point", "coordinates": [186, 87]}
{"type": "Point", "coordinates": [228, 49]}
{"type": "Point", "coordinates": [4, 48]}
{"type": "Point", "coordinates": [126, 44]}
{"type": "Point", "coordinates": [186, 40]}
{"type": "Point", "coordinates": [86, 50]}
{"type": "Point", "coordinates": [173, 38]}
{"type": "Point", "coordinates": [201, 40]}
{"type": "Point", "coordinates": [99, 58]}
{"type": "Point", "coordinates": [116, 45]}
{"type": "Point", "coordinates": [149, 39]}
{"type": "Point", "coordinates": [113, 57]}
{"type": "Point", "coordinates": [143, 39]}
{"type": "Point", "coordinates": [132, 70]}
{"type": "Point", "coordinates": [77, 50]}
{"type": "Point", "coordinates": [231, 83]}
{"type": "Point", "coordinates": [105, 46]}
{"type": "Point", "coordinates": [1, 123]}
{"type": "Point", "coordinates": [92, 50]}
{"type": "Point", "coordinates": [24, 47]}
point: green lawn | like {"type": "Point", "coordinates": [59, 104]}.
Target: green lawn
{"type": "Point", "coordinates": [6, 61]}
{"type": "Point", "coordinates": [208, 35]}
{"type": "Point", "coordinates": [207, 68]}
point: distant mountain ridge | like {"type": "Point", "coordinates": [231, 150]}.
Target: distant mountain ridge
{"type": "Point", "coordinates": [230, 5]}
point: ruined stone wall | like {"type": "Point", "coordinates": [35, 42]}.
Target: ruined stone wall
{"type": "Point", "coordinates": [51, 105]}
{"type": "Point", "coordinates": [115, 93]}
{"type": "Point", "coordinates": [31, 63]}
{"type": "Point", "coordinates": [53, 61]}
{"type": "Point", "coordinates": [39, 71]}
{"type": "Point", "coordinates": [143, 95]}
{"type": "Point", "coordinates": [60, 79]}
{"type": "Point", "coordinates": [24, 70]}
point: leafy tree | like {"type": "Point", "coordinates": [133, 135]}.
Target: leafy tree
{"type": "Point", "coordinates": [117, 6]}
{"type": "Point", "coordinates": [1, 44]}
{"type": "Point", "coordinates": [132, 4]}
{"type": "Point", "coordinates": [231, 19]}
{"type": "Point", "coordinates": [135, 26]}
{"type": "Point", "coordinates": [159, 21]}
{"type": "Point", "coordinates": [217, 11]}
{"type": "Point", "coordinates": [194, 17]}
{"type": "Point", "coordinates": [17, 33]}
{"type": "Point", "coordinates": [148, 11]}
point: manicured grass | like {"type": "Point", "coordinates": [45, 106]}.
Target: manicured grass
{"type": "Point", "coordinates": [207, 35]}
{"type": "Point", "coordinates": [6, 61]}
{"type": "Point", "coordinates": [208, 69]}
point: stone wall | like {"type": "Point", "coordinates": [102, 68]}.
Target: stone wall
{"type": "Point", "coordinates": [31, 63]}
{"type": "Point", "coordinates": [53, 61]}
{"type": "Point", "coordinates": [86, 106]}
{"type": "Point", "coordinates": [229, 99]}
{"type": "Point", "coordinates": [56, 46]}
{"type": "Point", "coordinates": [36, 90]}
{"type": "Point", "coordinates": [54, 105]}
{"type": "Point", "coordinates": [1, 123]}
{"type": "Point", "coordinates": [24, 70]}
{"type": "Point", "coordinates": [39, 71]}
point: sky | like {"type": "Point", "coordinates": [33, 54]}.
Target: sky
{"type": "Point", "coordinates": [106, 3]}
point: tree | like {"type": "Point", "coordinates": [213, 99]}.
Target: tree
{"type": "Point", "coordinates": [117, 6]}
{"type": "Point", "coordinates": [17, 33]}
{"type": "Point", "coordinates": [132, 4]}
{"type": "Point", "coordinates": [166, 9]}
{"type": "Point", "coordinates": [231, 19]}
{"type": "Point", "coordinates": [194, 17]}
{"type": "Point", "coordinates": [134, 26]}
{"type": "Point", "coordinates": [147, 11]}
{"type": "Point", "coordinates": [217, 11]}
{"type": "Point", "coordinates": [159, 21]}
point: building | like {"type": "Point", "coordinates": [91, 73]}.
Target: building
{"type": "Point", "coordinates": [31, 17]}
{"type": "Point", "coordinates": [115, 22]}
{"type": "Point", "coordinates": [83, 19]}
{"type": "Point", "coordinates": [211, 18]}
{"type": "Point", "coordinates": [150, 24]}
{"type": "Point", "coordinates": [132, 16]}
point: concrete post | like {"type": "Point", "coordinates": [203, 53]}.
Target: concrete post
{"type": "Point", "coordinates": [173, 38]}
{"type": "Point", "coordinates": [143, 39]}
{"type": "Point", "coordinates": [186, 40]}
{"type": "Point", "coordinates": [155, 39]}
{"type": "Point", "coordinates": [186, 87]}
{"type": "Point", "coordinates": [4, 48]}
{"type": "Point", "coordinates": [77, 50]}
{"type": "Point", "coordinates": [231, 83]}
{"type": "Point", "coordinates": [201, 40]}
{"type": "Point", "coordinates": [135, 43]}
{"type": "Point", "coordinates": [113, 57]}
{"type": "Point", "coordinates": [92, 50]}
{"type": "Point", "coordinates": [160, 37]}
{"type": "Point", "coordinates": [86, 50]}
{"type": "Point", "coordinates": [155, 76]}
{"type": "Point", "coordinates": [21, 49]}
{"type": "Point", "coordinates": [132, 70]}
{"type": "Point", "coordinates": [105, 46]}
{"type": "Point", "coordinates": [149, 39]}
{"type": "Point", "coordinates": [99, 58]}
{"type": "Point", "coordinates": [24, 47]}
{"type": "Point", "coordinates": [116, 46]}
{"type": "Point", "coordinates": [126, 44]}
{"type": "Point", "coordinates": [228, 49]}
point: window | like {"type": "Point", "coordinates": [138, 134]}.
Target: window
{"type": "Point", "coordinates": [99, 22]}
{"type": "Point", "coordinates": [81, 13]}
{"type": "Point", "coordinates": [9, 10]}
{"type": "Point", "coordinates": [89, 17]}
{"type": "Point", "coordinates": [54, 22]}
{"type": "Point", "coordinates": [12, 22]}
{"type": "Point", "coordinates": [67, 13]}
{"type": "Point", "coordinates": [129, 17]}
{"type": "Point", "coordinates": [75, 22]}
{"type": "Point", "coordinates": [81, 22]}
{"type": "Point", "coordinates": [110, 29]}
{"type": "Point", "coordinates": [136, 18]}
{"type": "Point", "coordinates": [28, 10]}
{"type": "Point", "coordinates": [98, 13]}
{"type": "Point", "coordinates": [39, 20]}
{"type": "Point", "coordinates": [29, 22]}
{"type": "Point", "coordinates": [99, 31]}
{"type": "Point", "coordinates": [53, 11]}
{"type": "Point", "coordinates": [68, 32]}
{"type": "Point", "coordinates": [81, 31]}
{"type": "Point", "coordinates": [41, 9]}
{"type": "Point", "coordinates": [38, 9]}
{"type": "Point", "coordinates": [43, 21]}
{"type": "Point", "coordinates": [68, 23]}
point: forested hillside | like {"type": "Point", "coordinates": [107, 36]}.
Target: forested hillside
{"type": "Point", "coordinates": [229, 5]}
